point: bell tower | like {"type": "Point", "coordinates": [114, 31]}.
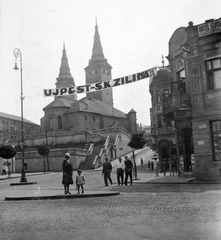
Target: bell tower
{"type": "Point", "coordinates": [99, 70]}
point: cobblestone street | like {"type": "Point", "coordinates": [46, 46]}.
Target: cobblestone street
{"type": "Point", "coordinates": [141, 211]}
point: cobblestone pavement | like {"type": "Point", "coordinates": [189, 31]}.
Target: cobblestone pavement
{"type": "Point", "coordinates": [141, 211]}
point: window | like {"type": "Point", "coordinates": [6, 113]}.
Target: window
{"type": "Point", "coordinates": [93, 118]}
{"type": "Point", "coordinates": [158, 96]}
{"type": "Point", "coordinates": [216, 139]}
{"type": "Point", "coordinates": [159, 122]}
{"type": "Point", "coordinates": [166, 93]}
{"type": "Point", "coordinates": [50, 124]}
{"type": "Point", "coordinates": [213, 68]}
{"type": "Point", "coordinates": [181, 79]}
{"type": "Point", "coordinates": [7, 126]}
{"type": "Point", "coordinates": [85, 117]}
{"type": "Point", "coordinates": [59, 122]}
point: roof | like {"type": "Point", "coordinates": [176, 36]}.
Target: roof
{"type": "Point", "coordinates": [95, 106]}
{"type": "Point", "coordinates": [60, 102]}
{"type": "Point", "coordinates": [15, 118]}
{"type": "Point", "coordinates": [163, 74]}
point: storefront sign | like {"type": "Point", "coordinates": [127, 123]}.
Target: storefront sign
{"type": "Point", "coordinates": [200, 142]}
{"type": "Point", "coordinates": [209, 28]}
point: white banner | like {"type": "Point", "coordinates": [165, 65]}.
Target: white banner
{"type": "Point", "coordinates": [99, 86]}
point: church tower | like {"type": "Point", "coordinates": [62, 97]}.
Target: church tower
{"type": "Point", "coordinates": [64, 78]}
{"type": "Point", "coordinates": [99, 70]}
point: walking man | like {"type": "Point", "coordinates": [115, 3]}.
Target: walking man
{"type": "Point", "coordinates": [120, 172]}
{"type": "Point", "coordinates": [128, 170]}
{"type": "Point", "coordinates": [107, 168]}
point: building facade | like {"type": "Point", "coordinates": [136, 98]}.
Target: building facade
{"type": "Point", "coordinates": [162, 127]}
{"type": "Point", "coordinates": [10, 128]}
{"type": "Point", "coordinates": [193, 105]}
{"type": "Point", "coordinates": [203, 66]}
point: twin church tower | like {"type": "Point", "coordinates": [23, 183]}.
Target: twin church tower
{"type": "Point", "coordinates": [93, 112]}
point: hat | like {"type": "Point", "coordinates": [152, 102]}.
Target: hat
{"type": "Point", "coordinates": [67, 155]}
{"type": "Point", "coordinates": [79, 170]}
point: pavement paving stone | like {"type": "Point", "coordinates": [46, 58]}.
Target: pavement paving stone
{"type": "Point", "coordinates": [141, 211]}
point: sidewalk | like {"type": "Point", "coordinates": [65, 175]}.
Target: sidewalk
{"type": "Point", "coordinates": [48, 185]}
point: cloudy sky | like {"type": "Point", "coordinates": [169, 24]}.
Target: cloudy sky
{"type": "Point", "coordinates": [134, 36]}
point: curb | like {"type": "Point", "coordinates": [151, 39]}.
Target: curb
{"type": "Point", "coordinates": [63, 196]}
{"type": "Point", "coordinates": [188, 182]}
{"type": "Point", "coordinates": [22, 183]}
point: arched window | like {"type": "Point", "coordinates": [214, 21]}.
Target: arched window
{"type": "Point", "coordinates": [59, 122]}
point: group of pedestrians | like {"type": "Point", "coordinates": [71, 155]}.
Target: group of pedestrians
{"type": "Point", "coordinates": [6, 169]}
{"type": "Point", "coordinates": [167, 164]}
{"type": "Point", "coordinates": [123, 168]}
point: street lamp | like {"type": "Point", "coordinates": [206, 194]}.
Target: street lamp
{"type": "Point", "coordinates": [17, 54]}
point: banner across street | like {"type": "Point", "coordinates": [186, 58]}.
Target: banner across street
{"type": "Point", "coordinates": [99, 86]}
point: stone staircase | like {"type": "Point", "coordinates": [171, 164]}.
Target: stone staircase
{"type": "Point", "coordinates": [87, 164]}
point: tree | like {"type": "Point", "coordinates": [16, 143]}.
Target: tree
{"type": "Point", "coordinates": [44, 151]}
{"type": "Point", "coordinates": [7, 151]}
{"type": "Point", "coordinates": [137, 142]}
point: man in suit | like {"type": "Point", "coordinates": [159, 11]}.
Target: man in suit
{"type": "Point", "coordinates": [128, 170]}
{"type": "Point", "coordinates": [107, 168]}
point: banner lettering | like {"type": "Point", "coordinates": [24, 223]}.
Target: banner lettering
{"type": "Point", "coordinates": [99, 86]}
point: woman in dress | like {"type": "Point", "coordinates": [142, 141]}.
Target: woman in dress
{"type": "Point", "coordinates": [67, 173]}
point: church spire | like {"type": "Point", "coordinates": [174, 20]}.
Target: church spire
{"type": "Point", "coordinates": [97, 51]}
{"type": "Point", "coordinates": [64, 68]}
{"type": "Point", "coordinates": [64, 78]}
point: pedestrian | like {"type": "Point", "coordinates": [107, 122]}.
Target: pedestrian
{"type": "Point", "coordinates": [80, 181]}
{"type": "Point", "coordinates": [120, 172]}
{"type": "Point", "coordinates": [106, 172]}
{"type": "Point", "coordinates": [4, 169]}
{"type": "Point", "coordinates": [171, 167]}
{"type": "Point", "coordinates": [164, 166]}
{"type": "Point", "coordinates": [156, 166]}
{"type": "Point", "coordinates": [128, 170]}
{"type": "Point", "coordinates": [141, 161]}
{"type": "Point", "coordinates": [148, 165]}
{"type": "Point", "coordinates": [152, 167]}
{"type": "Point", "coordinates": [67, 173]}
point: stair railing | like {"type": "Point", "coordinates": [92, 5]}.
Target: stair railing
{"type": "Point", "coordinates": [99, 159]}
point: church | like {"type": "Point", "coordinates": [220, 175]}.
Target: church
{"type": "Point", "coordinates": [95, 111]}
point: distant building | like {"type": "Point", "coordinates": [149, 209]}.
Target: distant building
{"type": "Point", "coordinates": [10, 128]}
{"type": "Point", "coordinates": [93, 112]}
{"type": "Point", "coordinates": [162, 128]}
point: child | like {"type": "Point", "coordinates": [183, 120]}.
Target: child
{"type": "Point", "coordinates": [80, 181]}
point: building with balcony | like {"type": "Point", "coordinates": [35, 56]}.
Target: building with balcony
{"type": "Point", "coordinates": [193, 104]}
{"type": "Point", "coordinates": [162, 128]}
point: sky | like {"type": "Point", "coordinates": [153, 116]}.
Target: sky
{"type": "Point", "coordinates": [134, 36]}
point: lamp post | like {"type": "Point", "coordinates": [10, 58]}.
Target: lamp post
{"type": "Point", "coordinates": [17, 54]}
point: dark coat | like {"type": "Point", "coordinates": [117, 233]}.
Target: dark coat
{"type": "Point", "coordinates": [67, 173]}
{"type": "Point", "coordinates": [107, 167]}
{"type": "Point", "coordinates": [128, 165]}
